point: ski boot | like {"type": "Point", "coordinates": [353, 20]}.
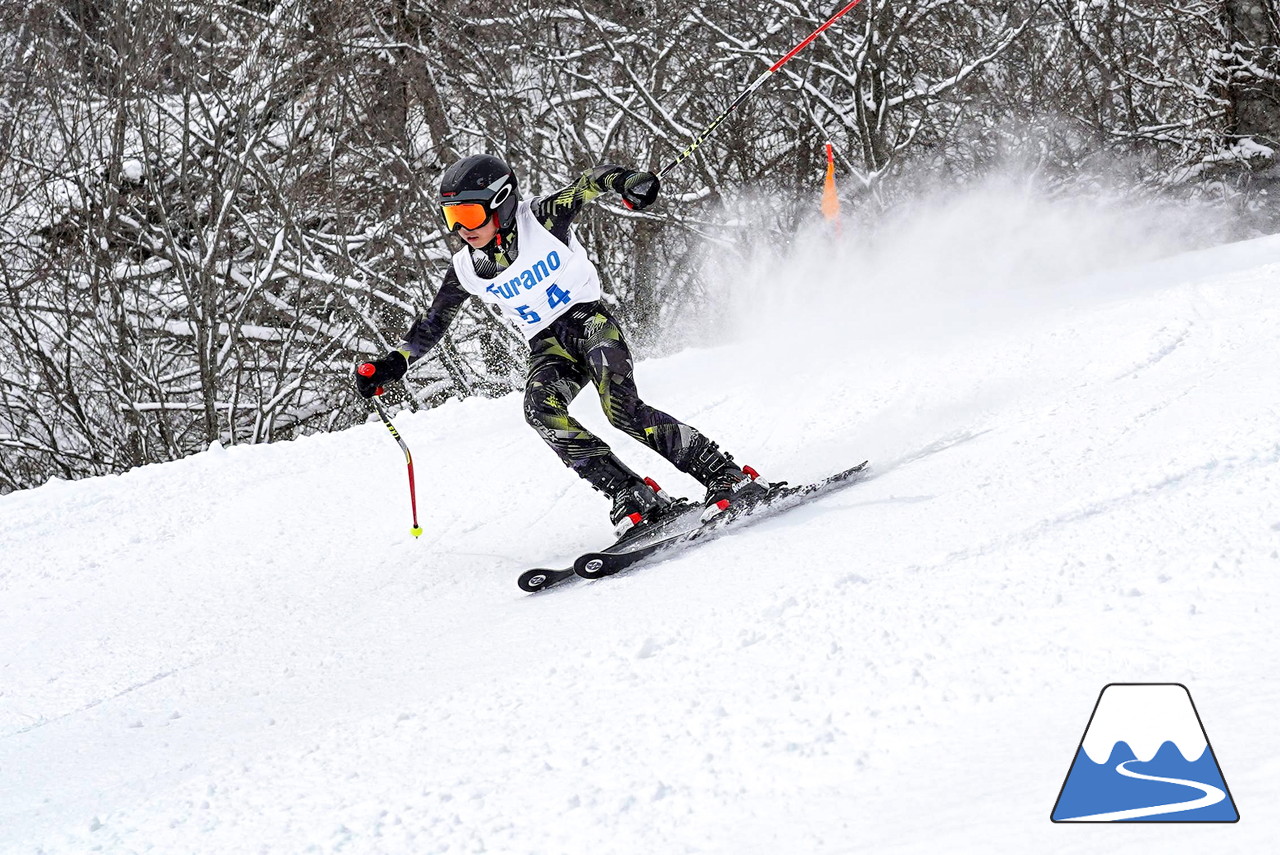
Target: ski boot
{"type": "Point", "coordinates": [733, 487]}
{"type": "Point", "coordinates": [637, 502]}
{"type": "Point", "coordinates": [638, 506]}
{"type": "Point", "coordinates": [726, 482]}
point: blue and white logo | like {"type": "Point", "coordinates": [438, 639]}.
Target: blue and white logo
{"type": "Point", "coordinates": [1145, 757]}
{"type": "Point", "coordinates": [528, 279]}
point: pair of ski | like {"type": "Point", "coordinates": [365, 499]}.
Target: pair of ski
{"type": "Point", "coordinates": [682, 526]}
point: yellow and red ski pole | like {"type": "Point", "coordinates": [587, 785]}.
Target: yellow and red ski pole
{"type": "Point", "coordinates": [755, 84]}
{"type": "Point", "coordinates": [367, 370]}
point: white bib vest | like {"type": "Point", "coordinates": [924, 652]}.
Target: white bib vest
{"type": "Point", "coordinates": [546, 278]}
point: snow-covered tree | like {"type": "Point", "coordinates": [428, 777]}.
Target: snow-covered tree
{"type": "Point", "coordinates": [209, 211]}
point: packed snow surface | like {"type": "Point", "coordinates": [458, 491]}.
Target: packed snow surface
{"type": "Point", "coordinates": [1074, 485]}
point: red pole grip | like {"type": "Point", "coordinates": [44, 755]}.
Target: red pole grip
{"type": "Point", "coordinates": [368, 369]}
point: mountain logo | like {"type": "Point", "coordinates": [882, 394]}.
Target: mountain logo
{"type": "Point", "coordinates": [1145, 757]}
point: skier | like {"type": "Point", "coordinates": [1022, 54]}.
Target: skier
{"type": "Point", "coordinates": [524, 258]}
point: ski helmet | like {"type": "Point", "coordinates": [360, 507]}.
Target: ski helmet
{"type": "Point", "coordinates": [475, 189]}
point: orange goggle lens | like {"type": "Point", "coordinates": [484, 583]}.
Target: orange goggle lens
{"type": "Point", "coordinates": [468, 215]}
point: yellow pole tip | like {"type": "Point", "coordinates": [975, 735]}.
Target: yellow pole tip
{"type": "Point", "coordinates": [416, 532]}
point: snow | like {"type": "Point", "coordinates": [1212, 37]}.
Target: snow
{"type": "Point", "coordinates": [133, 170]}
{"type": "Point", "coordinates": [1075, 484]}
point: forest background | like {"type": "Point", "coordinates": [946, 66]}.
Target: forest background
{"type": "Point", "coordinates": [210, 211]}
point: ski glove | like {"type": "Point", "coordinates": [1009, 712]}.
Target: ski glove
{"type": "Point", "coordinates": [372, 376]}
{"type": "Point", "coordinates": [639, 190]}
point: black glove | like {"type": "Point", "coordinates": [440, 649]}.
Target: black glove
{"type": "Point", "coordinates": [372, 376]}
{"type": "Point", "coordinates": [639, 190]}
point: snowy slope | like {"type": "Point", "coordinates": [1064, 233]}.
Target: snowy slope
{"type": "Point", "coordinates": [1075, 485]}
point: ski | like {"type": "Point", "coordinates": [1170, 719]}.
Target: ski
{"type": "Point", "coordinates": [541, 578]}
{"type": "Point", "coordinates": [780, 497]}
{"type": "Point", "coordinates": [679, 517]}
{"type": "Point", "coordinates": [684, 527]}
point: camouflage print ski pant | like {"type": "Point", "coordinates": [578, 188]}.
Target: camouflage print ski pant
{"type": "Point", "coordinates": [584, 346]}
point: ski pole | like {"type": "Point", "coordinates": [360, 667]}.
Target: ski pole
{"type": "Point", "coordinates": [755, 84]}
{"type": "Point", "coordinates": [366, 370]}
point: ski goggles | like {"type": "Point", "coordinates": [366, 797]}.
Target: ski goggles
{"type": "Point", "coordinates": [467, 215]}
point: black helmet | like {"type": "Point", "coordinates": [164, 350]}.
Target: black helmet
{"type": "Point", "coordinates": [481, 181]}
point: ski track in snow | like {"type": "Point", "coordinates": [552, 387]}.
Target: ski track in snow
{"type": "Point", "coordinates": [245, 650]}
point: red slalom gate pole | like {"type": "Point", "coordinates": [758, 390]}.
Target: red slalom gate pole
{"type": "Point", "coordinates": [754, 85]}
{"type": "Point", "coordinates": [367, 370]}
